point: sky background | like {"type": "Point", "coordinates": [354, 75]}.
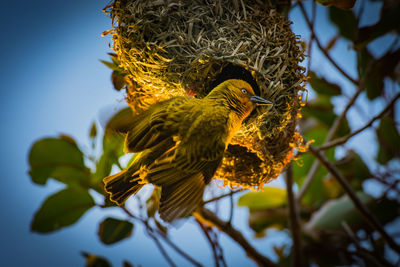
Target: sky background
{"type": "Point", "coordinates": [52, 82]}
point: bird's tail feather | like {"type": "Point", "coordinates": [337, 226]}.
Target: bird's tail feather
{"type": "Point", "coordinates": [122, 185]}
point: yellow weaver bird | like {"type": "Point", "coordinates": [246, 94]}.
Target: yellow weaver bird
{"type": "Point", "coordinates": [181, 143]}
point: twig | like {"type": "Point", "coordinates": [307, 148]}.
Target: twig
{"type": "Point", "coordinates": [313, 15]}
{"type": "Point", "coordinates": [221, 196]}
{"type": "Point", "coordinates": [162, 235]}
{"type": "Point", "coordinates": [344, 139]}
{"type": "Point", "coordinates": [235, 235]}
{"type": "Point", "coordinates": [231, 210]}
{"type": "Point", "coordinates": [366, 254]}
{"type": "Point", "coordinates": [161, 248]}
{"type": "Point", "coordinates": [331, 134]}
{"type": "Point", "coordinates": [294, 220]}
{"type": "Point", "coordinates": [369, 217]}
{"type": "Point", "coordinates": [217, 257]}
{"type": "Point", "coordinates": [176, 248]}
{"type": "Point", "coordinates": [303, 11]}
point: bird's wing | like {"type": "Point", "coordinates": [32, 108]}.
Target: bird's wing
{"type": "Point", "coordinates": [182, 198]}
{"type": "Point", "coordinates": [148, 128]}
{"type": "Point", "coordinates": [199, 149]}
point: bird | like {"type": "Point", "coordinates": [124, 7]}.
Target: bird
{"type": "Point", "coordinates": [180, 143]}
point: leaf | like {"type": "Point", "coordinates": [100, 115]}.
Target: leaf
{"type": "Point", "coordinates": [111, 65]}
{"type": "Point", "coordinates": [331, 215]}
{"type": "Point", "coordinates": [118, 80]}
{"type": "Point", "coordinates": [269, 197]}
{"type": "Point", "coordinates": [314, 196]}
{"type": "Point", "coordinates": [343, 4]}
{"type": "Point", "coordinates": [62, 209]}
{"type": "Point", "coordinates": [112, 230]}
{"type": "Point", "coordinates": [389, 140]}
{"type": "Point", "coordinates": [322, 110]}
{"type": "Point", "coordinates": [334, 212]}
{"type": "Point", "coordinates": [93, 260]}
{"type": "Point", "coordinates": [353, 168]}
{"type": "Point", "coordinates": [121, 122]}
{"type": "Point", "coordinates": [259, 220]}
{"type": "Point", "coordinates": [93, 131]}
{"type": "Point", "coordinates": [57, 158]}
{"type": "Point", "coordinates": [113, 143]}
{"type": "Point", "coordinates": [389, 21]}
{"type": "Point", "coordinates": [345, 21]}
{"type": "Point", "coordinates": [378, 70]}
{"type": "Point", "coordinates": [153, 201]}
{"type": "Point", "coordinates": [322, 86]}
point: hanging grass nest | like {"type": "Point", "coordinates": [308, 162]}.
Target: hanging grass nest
{"type": "Point", "coordinates": [172, 48]}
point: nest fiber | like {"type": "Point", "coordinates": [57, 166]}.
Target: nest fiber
{"type": "Point", "coordinates": [172, 48]}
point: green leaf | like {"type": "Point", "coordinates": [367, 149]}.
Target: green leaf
{"type": "Point", "coordinates": [353, 169]}
{"type": "Point", "coordinates": [389, 21]}
{"type": "Point", "coordinates": [315, 196]}
{"type": "Point", "coordinates": [111, 65]}
{"type": "Point", "coordinates": [389, 140]}
{"type": "Point", "coordinates": [153, 201]}
{"type": "Point", "coordinates": [57, 158]}
{"type": "Point", "coordinates": [334, 212]}
{"type": "Point", "coordinates": [322, 86]}
{"type": "Point", "coordinates": [260, 220]}
{"type": "Point", "coordinates": [118, 80]}
{"type": "Point", "coordinates": [93, 131]}
{"type": "Point", "coordinates": [343, 4]}
{"type": "Point", "coordinates": [93, 260]}
{"type": "Point", "coordinates": [345, 21]}
{"type": "Point", "coordinates": [378, 70]}
{"type": "Point", "coordinates": [113, 143]}
{"type": "Point", "coordinates": [112, 230]}
{"type": "Point", "coordinates": [121, 122]}
{"type": "Point", "coordinates": [322, 110]}
{"type": "Point", "coordinates": [269, 197]}
{"type": "Point", "coordinates": [61, 209]}
{"type": "Point", "coordinates": [331, 215]}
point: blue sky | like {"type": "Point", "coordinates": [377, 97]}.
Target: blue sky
{"type": "Point", "coordinates": [52, 83]}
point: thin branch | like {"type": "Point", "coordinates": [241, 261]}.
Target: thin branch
{"type": "Point", "coordinates": [161, 248]}
{"type": "Point", "coordinates": [232, 208]}
{"type": "Point", "coordinates": [227, 228]}
{"type": "Point", "coordinates": [221, 196]}
{"type": "Point", "coordinates": [323, 50]}
{"type": "Point", "coordinates": [294, 220]}
{"type": "Point", "coordinates": [217, 257]}
{"type": "Point", "coordinates": [313, 15]}
{"type": "Point", "coordinates": [369, 217]}
{"type": "Point", "coordinates": [176, 248]}
{"type": "Point", "coordinates": [344, 139]}
{"type": "Point", "coordinates": [331, 134]}
{"type": "Point", "coordinates": [162, 235]}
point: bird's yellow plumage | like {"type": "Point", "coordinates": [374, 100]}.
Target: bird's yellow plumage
{"type": "Point", "coordinates": [181, 142]}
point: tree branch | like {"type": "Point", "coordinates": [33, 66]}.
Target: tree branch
{"type": "Point", "coordinates": [161, 248]}
{"type": "Point", "coordinates": [344, 139]}
{"type": "Point", "coordinates": [162, 235]}
{"type": "Point", "coordinates": [221, 196]}
{"type": "Point", "coordinates": [227, 228]}
{"type": "Point", "coordinates": [331, 134]}
{"type": "Point", "coordinates": [323, 50]}
{"type": "Point", "coordinates": [369, 217]}
{"type": "Point", "coordinates": [294, 220]}
{"type": "Point", "coordinates": [217, 257]}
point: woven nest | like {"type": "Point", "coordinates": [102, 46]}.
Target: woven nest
{"type": "Point", "coordinates": [172, 48]}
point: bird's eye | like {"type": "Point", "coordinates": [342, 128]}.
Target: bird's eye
{"type": "Point", "coordinates": [244, 91]}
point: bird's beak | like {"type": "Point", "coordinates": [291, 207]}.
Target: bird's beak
{"type": "Point", "coordinates": [260, 101]}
